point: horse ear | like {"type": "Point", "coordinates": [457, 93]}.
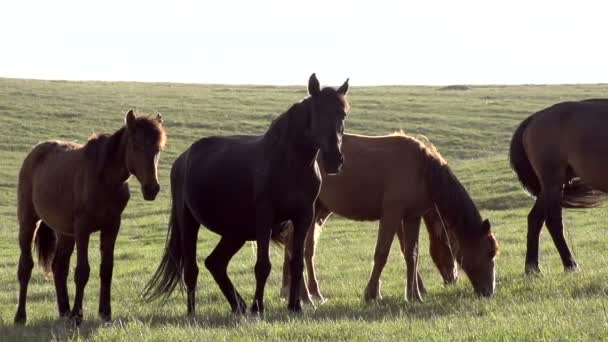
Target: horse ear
{"type": "Point", "coordinates": [130, 119]}
{"type": "Point", "coordinates": [313, 85]}
{"type": "Point", "coordinates": [485, 226]}
{"type": "Point", "coordinates": [344, 88]}
{"type": "Point", "coordinates": [159, 118]}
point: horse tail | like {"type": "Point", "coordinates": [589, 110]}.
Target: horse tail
{"type": "Point", "coordinates": [520, 162]}
{"type": "Point", "coordinates": [45, 242]}
{"type": "Point", "coordinates": [578, 194]}
{"type": "Point", "coordinates": [170, 270]}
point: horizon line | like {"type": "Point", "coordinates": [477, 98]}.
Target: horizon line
{"type": "Point", "coordinates": [247, 84]}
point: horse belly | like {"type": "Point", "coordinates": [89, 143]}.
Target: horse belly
{"type": "Point", "coordinates": [352, 205]}
{"type": "Point", "coordinates": [54, 210]}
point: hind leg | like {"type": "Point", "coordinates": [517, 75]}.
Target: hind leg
{"type": "Point", "coordinates": [536, 218]}
{"type": "Point", "coordinates": [310, 245]}
{"type": "Point", "coordinates": [83, 269]}
{"type": "Point", "coordinates": [190, 230]}
{"type": "Point", "coordinates": [27, 227]}
{"type": "Point", "coordinates": [555, 225]}
{"type": "Point", "coordinates": [304, 293]}
{"type": "Point", "coordinates": [217, 264]}
{"type": "Point", "coordinates": [61, 265]}
{"type": "Point", "coordinates": [389, 223]}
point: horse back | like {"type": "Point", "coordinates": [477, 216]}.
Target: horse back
{"type": "Point", "coordinates": [379, 173]}
{"type": "Point", "coordinates": [570, 136]}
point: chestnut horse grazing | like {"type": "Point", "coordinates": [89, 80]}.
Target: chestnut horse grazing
{"type": "Point", "coordinates": [560, 157]}
{"type": "Point", "coordinates": [242, 187]}
{"type": "Point", "coordinates": [67, 191]}
{"type": "Point", "coordinates": [440, 249]}
{"type": "Point", "coordinates": [399, 180]}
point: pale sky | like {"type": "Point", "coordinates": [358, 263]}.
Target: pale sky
{"type": "Point", "coordinates": [281, 42]}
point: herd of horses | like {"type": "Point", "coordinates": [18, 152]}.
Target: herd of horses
{"type": "Point", "coordinates": [282, 186]}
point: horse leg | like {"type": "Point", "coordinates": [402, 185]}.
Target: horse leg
{"type": "Point", "coordinates": [409, 248]}
{"type": "Point", "coordinates": [536, 218]}
{"type": "Point", "coordinates": [440, 248]}
{"type": "Point", "coordinates": [286, 256]}
{"type": "Point", "coordinates": [301, 225]}
{"type": "Point", "coordinates": [83, 270]}
{"type": "Point", "coordinates": [217, 264]}
{"type": "Point", "coordinates": [107, 243]}
{"type": "Point", "coordinates": [310, 245]}
{"type": "Point", "coordinates": [27, 227]}
{"type": "Point", "coordinates": [61, 267]}
{"type": "Point", "coordinates": [389, 223]}
{"type": "Point", "coordinates": [556, 227]}
{"type": "Point", "coordinates": [304, 294]}
{"type": "Point", "coordinates": [401, 235]}
{"type": "Point", "coordinates": [262, 268]}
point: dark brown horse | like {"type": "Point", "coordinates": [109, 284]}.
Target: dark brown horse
{"type": "Point", "coordinates": [399, 180]}
{"type": "Point", "coordinates": [67, 191]}
{"type": "Point", "coordinates": [560, 155]}
{"type": "Point", "coordinates": [240, 187]}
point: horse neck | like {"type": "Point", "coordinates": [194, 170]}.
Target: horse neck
{"type": "Point", "coordinates": [287, 138]}
{"type": "Point", "coordinates": [451, 199]}
{"type": "Point", "coordinates": [115, 171]}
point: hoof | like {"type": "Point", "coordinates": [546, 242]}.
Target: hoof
{"type": "Point", "coordinates": [105, 317]}
{"type": "Point", "coordinates": [414, 299]}
{"type": "Point", "coordinates": [257, 309]}
{"type": "Point", "coordinates": [319, 299]}
{"type": "Point", "coordinates": [572, 269]}
{"type": "Point", "coordinates": [240, 309]}
{"type": "Point", "coordinates": [372, 295]}
{"type": "Point", "coordinates": [20, 318]}
{"type": "Point", "coordinates": [296, 307]}
{"type": "Point", "coordinates": [532, 269]}
{"type": "Point", "coordinates": [76, 319]}
{"type": "Point", "coordinates": [284, 294]}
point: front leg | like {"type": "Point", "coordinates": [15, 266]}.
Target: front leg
{"type": "Point", "coordinates": [263, 231]}
{"type": "Point", "coordinates": [81, 276]}
{"type": "Point", "coordinates": [107, 243]}
{"type": "Point", "coordinates": [409, 247]}
{"type": "Point", "coordinates": [301, 224]}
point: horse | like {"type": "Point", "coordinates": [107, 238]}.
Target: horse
{"type": "Point", "coordinates": [559, 157]}
{"type": "Point", "coordinates": [439, 248]}
{"type": "Point", "coordinates": [66, 191]}
{"type": "Point", "coordinates": [241, 187]}
{"type": "Point", "coordinates": [398, 180]}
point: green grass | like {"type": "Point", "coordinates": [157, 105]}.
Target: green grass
{"type": "Point", "coordinates": [471, 129]}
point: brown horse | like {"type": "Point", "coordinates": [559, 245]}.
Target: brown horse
{"type": "Point", "coordinates": [559, 155]}
{"type": "Point", "coordinates": [67, 191]}
{"type": "Point", "coordinates": [440, 250]}
{"type": "Point", "coordinates": [399, 180]}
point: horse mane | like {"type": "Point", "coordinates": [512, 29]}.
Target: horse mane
{"type": "Point", "coordinates": [101, 146]}
{"type": "Point", "coordinates": [449, 195]}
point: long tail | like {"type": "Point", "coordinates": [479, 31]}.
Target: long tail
{"type": "Point", "coordinates": [576, 193]}
{"type": "Point", "coordinates": [45, 242]}
{"type": "Point", "coordinates": [520, 162]}
{"type": "Point", "coordinates": [171, 268]}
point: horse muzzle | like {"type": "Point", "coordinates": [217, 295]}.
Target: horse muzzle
{"type": "Point", "coordinates": [334, 165]}
{"type": "Point", "coordinates": [150, 191]}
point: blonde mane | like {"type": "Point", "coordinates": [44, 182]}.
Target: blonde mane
{"type": "Point", "coordinates": [424, 142]}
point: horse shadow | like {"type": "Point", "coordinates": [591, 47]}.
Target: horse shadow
{"type": "Point", "coordinates": [437, 304]}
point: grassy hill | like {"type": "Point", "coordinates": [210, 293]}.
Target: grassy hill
{"type": "Point", "coordinates": [471, 128]}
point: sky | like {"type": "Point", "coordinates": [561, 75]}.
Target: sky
{"type": "Point", "coordinates": [374, 42]}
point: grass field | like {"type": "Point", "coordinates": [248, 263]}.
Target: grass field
{"type": "Point", "coordinates": [471, 129]}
